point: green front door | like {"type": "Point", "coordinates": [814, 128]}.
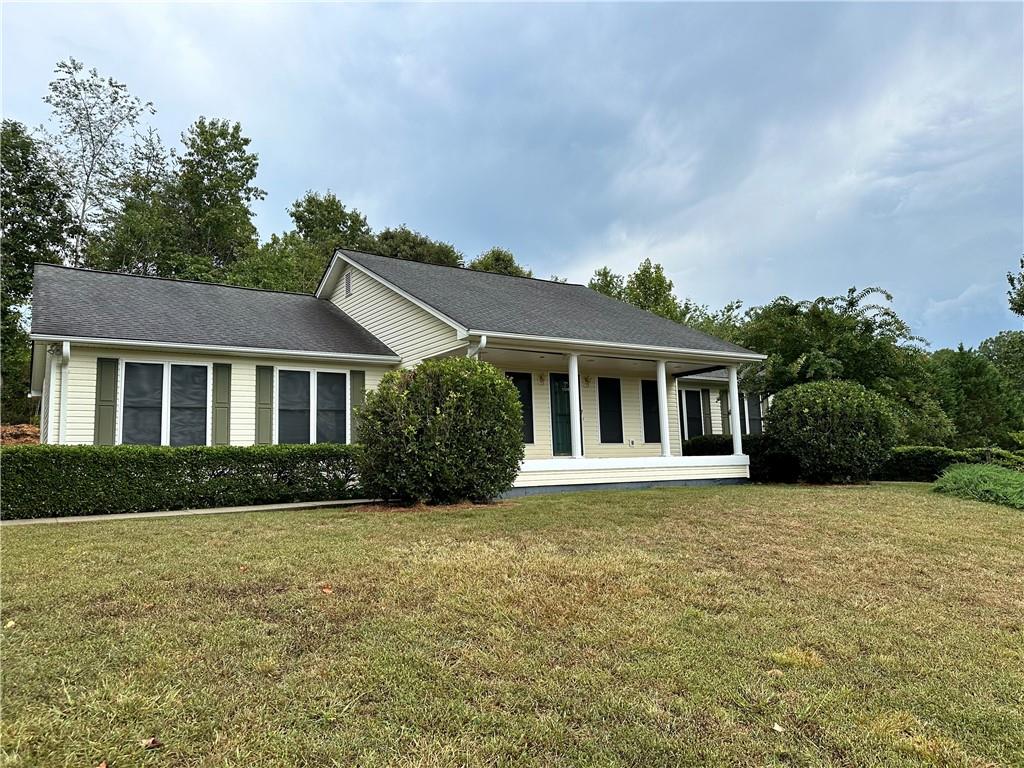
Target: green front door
{"type": "Point", "coordinates": [561, 431]}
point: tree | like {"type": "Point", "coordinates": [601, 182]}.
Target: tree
{"type": "Point", "coordinates": [404, 243]}
{"type": "Point", "coordinates": [1006, 351]}
{"type": "Point", "coordinates": [500, 261]}
{"type": "Point", "coordinates": [36, 222]}
{"type": "Point", "coordinates": [607, 282]}
{"type": "Point", "coordinates": [97, 120]}
{"type": "Point", "coordinates": [984, 406]}
{"type": "Point", "coordinates": [213, 192]}
{"type": "Point", "coordinates": [286, 262]}
{"type": "Point", "coordinates": [325, 223]}
{"type": "Point", "coordinates": [1016, 292]}
{"type": "Point", "coordinates": [649, 288]}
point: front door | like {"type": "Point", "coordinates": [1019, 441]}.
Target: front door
{"type": "Point", "coordinates": [561, 430]}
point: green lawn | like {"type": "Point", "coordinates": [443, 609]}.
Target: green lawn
{"type": "Point", "coordinates": [739, 625]}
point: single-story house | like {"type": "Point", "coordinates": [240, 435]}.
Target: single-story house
{"type": "Point", "coordinates": [609, 391]}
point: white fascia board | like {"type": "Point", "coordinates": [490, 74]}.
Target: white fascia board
{"type": "Point", "coordinates": [242, 351]}
{"type": "Point", "coordinates": [668, 353]}
{"type": "Point", "coordinates": [460, 329]}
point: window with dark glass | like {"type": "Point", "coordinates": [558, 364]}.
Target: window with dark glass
{"type": "Point", "coordinates": [142, 404]}
{"type": "Point", "coordinates": [694, 414]}
{"type": "Point", "coordinates": [609, 403]}
{"type": "Point", "coordinates": [293, 407]}
{"type": "Point", "coordinates": [754, 414]}
{"type": "Point", "coordinates": [524, 384]}
{"type": "Point", "coordinates": [331, 406]}
{"type": "Point", "coordinates": [649, 405]}
{"type": "Point", "coordinates": [188, 404]}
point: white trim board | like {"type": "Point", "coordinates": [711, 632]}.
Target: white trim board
{"type": "Point", "coordinates": [632, 462]}
{"type": "Point", "coordinates": [243, 351]}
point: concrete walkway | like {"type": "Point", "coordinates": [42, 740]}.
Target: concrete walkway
{"type": "Point", "coordinates": [179, 512]}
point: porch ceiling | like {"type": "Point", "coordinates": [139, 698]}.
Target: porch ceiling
{"type": "Point", "coordinates": [552, 360]}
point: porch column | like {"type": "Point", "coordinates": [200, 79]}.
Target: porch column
{"type": "Point", "coordinates": [734, 413]}
{"type": "Point", "coordinates": [574, 405]}
{"type": "Point", "coordinates": [666, 438]}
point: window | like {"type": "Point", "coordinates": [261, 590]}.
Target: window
{"type": "Point", "coordinates": [331, 407]}
{"type": "Point", "coordinates": [693, 413]}
{"type": "Point", "coordinates": [312, 406]}
{"type": "Point", "coordinates": [649, 405]}
{"type": "Point", "coordinates": [165, 404]}
{"type": "Point", "coordinates": [609, 404]}
{"type": "Point", "coordinates": [293, 407]}
{"type": "Point", "coordinates": [142, 405]}
{"type": "Point", "coordinates": [754, 414]}
{"type": "Point", "coordinates": [189, 391]}
{"type": "Point", "coordinates": [524, 383]}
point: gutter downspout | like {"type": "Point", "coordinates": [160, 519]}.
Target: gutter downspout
{"type": "Point", "coordinates": [475, 349]}
{"type": "Point", "coordinates": [65, 358]}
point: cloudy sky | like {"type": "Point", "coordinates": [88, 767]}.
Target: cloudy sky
{"type": "Point", "coordinates": [754, 150]}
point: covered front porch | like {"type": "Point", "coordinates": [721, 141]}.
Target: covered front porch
{"type": "Point", "coordinates": [599, 416]}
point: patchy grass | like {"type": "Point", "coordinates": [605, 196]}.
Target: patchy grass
{"type": "Point", "coordinates": [864, 626]}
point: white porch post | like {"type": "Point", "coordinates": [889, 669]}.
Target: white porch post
{"type": "Point", "coordinates": [574, 405]}
{"type": "Point", "coordinates": [666, 439]}
{"type": "Point", "coordinates": [734, 413]}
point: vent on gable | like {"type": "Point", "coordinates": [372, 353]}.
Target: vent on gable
{"type": "Point", "coordinates": [348, 284]}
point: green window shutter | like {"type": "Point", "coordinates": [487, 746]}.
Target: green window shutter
{"type": "Point", "coordinates": [106, 400]}
{"type": "Point", "coordinates": [705, 396]}
{"type": "Point", "coordinates": [264, 404]}
{"type": "Point", "coordinates": [221, 404]}
{"type": "Point", "coordinates": [357, 394]}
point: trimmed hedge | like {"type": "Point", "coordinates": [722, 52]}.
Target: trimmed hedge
{"type": "Point", "coordinates": [768, 463]}
{"type": "Point", "coordinates": [924, 463]}
{"type": "Point", "coordinates": [839, 431]}
{"type": "Point", "coordinates": [69, 480]}
{"type": "Point", "coordinates": [445, 431]}
{"type": "Point", "coordinates": [983, 482]}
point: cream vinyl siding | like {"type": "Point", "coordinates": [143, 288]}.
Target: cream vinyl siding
{"type": "Point", "coordinates": [413, 333]}
{"type": "Point", "coordinates": [632, 416]}
{"type": "Point", "coordinates": [82, 386]}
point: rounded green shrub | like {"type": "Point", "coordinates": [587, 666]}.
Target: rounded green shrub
{"type": "Point", "coordinates": [448, 430]}
{"type": "Point", "coordinates": [837, 431]}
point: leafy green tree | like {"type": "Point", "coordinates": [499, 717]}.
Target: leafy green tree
{"type": "Point", "coordinates": [500, 261]}
{"type": "Point", "coordinates": [286, 262]}
{"type": "Point", "coordinates": [1006, 351]}
{"type": "Point", "coordinates": [36, 224]}
{"type": "Point", "coordinates": [214, 190]}
{"type": "Point", "coordinates": [649, 288]}
{"type": "Point", "coordinates": [97, 121]}
{"type": "Point", "coordinates": [403, 243]}
{"type": "Point", "coordinates": [985, 407]}
{"type": "Point", "coordinates": [324, 223]}
{"type": "Point", "coordinates": [607, 282]}
{"type": "Point", "coordinates": [1016, 292]}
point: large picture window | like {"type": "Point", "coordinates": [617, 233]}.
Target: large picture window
{"type": "Point", "coordinates": [609, 403]}
{"type": "Point", "coordinates": [524, 384]}
{"type": "Point", "coordinates": [312, 406]}
{"type": "Point", "coordinates": [142, 404]}
{"type": "Point", "coordinates": [165, 404]}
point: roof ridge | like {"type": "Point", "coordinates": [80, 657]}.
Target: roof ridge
{"type": "Point", "coordinates": [464, 268]}
{"type": "Point", "coordinates": [169, 279]}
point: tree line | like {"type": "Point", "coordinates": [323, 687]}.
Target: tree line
{"type": "Point", "coordinates": [97, 187]}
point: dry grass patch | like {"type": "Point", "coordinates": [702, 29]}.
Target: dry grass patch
{"type": "Point", "coordinates": [740, 625]}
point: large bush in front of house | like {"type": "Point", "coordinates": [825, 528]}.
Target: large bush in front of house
{"type": "Point", "coordinates": [68, 480]}
{"type": "Point", "coordinates": [837, 431]}
{"type": "Point", "coordinates": [448, 430]}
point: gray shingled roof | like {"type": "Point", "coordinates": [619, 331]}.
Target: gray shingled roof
{"type": "Point", "coordinates": [501, 304]}
{"type": "Point", "coordinates": [108, 305]}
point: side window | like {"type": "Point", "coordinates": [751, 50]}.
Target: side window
{"type": "Point", "coordinates": [142, 404]}
{"type": "Point", "coordinates": [649, 405]}
{"type": "Point", "coordinates": [609, 404]}
{"type": "Point", "coordinates": [293, 407]}
{"type": "Point", "coordinates": [524, 383]}
{"type": "Point", "coordinates": [694, 414]}
{"type": "Point", "coordinates": [331, 407]}
{"type": "Point", "coordinates": [189, 390]}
